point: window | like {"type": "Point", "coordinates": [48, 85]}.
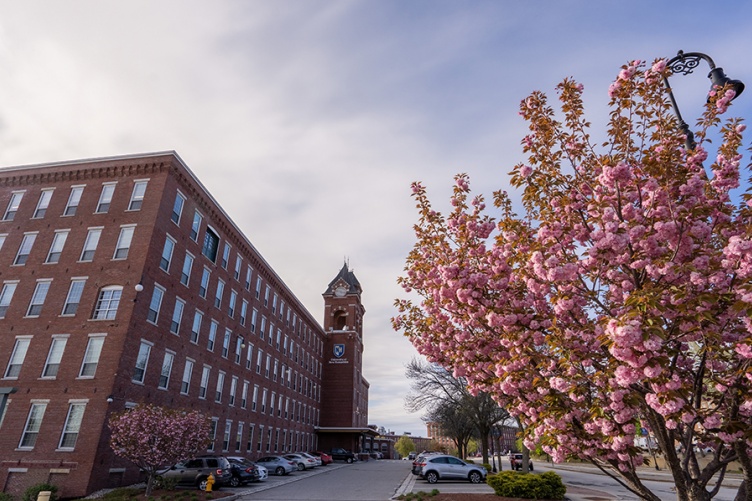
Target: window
{"type": "Point", "coordinates": [249, 356]}
{"type": "Point", "coordinates": [73, 299]}
{"type": "Point", "coordinates": [73, 200]}
{"type": "Point", "coordinates": [248, 273]}
{"type": "Point", "coordinates": [226, 439]}
{"type": "Point", "coordinates": [56, 248]}
{"type": "Point", "coordinates": [220, 387]}
{"type": "Point", "coordinates": [37, 299]}
{"type": "Point", "coordinates": [204, 283]}
{"type": "Point", "coordinates": [254, 314]}
{"type": "Point", "coordinates": [155, 304]}
{"type": "Point", "coordinates": [238, 266]}
{"type": "Point", "coordinates": [54, 356]}
{"type": "Point", "coordinates": [108, 302]}
{"type": "Point", "coordinates": [72, 425]}
{"type": "Point", "coordinates": [225, 255]}
{"type": "Point", "coordinates": [238, 349]}
{"type": "Point", "coordinates": [266, 296]}
{"type": "Point", "coordinates": [196, 226]}
{"type": "Point", "coordinates": [43, 203]}
{"type": "Point", "coordinates": [231, 305]}
{"type": "Point", "coordinates": [259, 359]}
{"type": "Point", "coordinates": [17, 357]}
{"type": "Point", "coordinates": [243, 312]}
{"type": "Point", "coordinates": [33, 423]}
{"type": "Point", "coordinates": [185, 385]}
{"type": "Point", "coordinates": [25, 248]}
{"type": "Point", "coordinates": [3, 236]}
{"type": "Point", "coordinates": [213, 434]}
{"type": "Point", "coordinates": [196, 327]}
{"type": "Point", "coordinates": [185, 274]}
{"type": "Point", "coordinates": [137, 196]}
{"type": "Point", "coordinates": [141, 362]}
{"type": "Point", "coordinates": [267, 369]}
{"type": "Point", "coordinates": [249, 443]}
{"type": "Point", "coordinates": [271, 403]}
{"type": "Point", "coordinates": [218, 295]}
{"type": "Point", "coordinates": [239, 437]}
{"type": "Point", "coordinates": [204, 382]}
{"type": "Point", "coordinates": [169, 246]}
{"type": "Point", "coordinates": [233, 389]}
{"type": "Point", "coordinates": [177, 316]}
{"type": "Point", "coordinates": [258, 287]}
{"type": "Point", "coordinates": [177, 208]}
{"type": "Point", "coordinates": [90, 245]}
{"type": "Point", "coordinates": [226, 343]}
{"type": "Point", "coordinates": [13, 204]}
{"type": "Point", "coordinates": [244, 395]}
{"type": "Point", "coordinates": [254, 402]}
{"type": "Point", "coordinates": [124, 242]}
{"type": "Point", "coordinates": [274, 303]}
{"type": "Point", "coordinates": [105, 197]}
{"type": "Point", "coordinates": [164, 375]}
{"type": "Point", "coordinates": [263, 401]}
{"type": "Point", "coordinates": [262, 328]}
{"type": "Point", "coordinates": [211, 245]}
{"type": "Point", "coordinates": [91, 357]}
{"type": "Point", "coordinates": [212, 335]}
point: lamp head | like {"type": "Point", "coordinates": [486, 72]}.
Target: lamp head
{"type": "Point", "coordinates": [719, 78]}
{"type": "Point", "coordinates": [139, 287]}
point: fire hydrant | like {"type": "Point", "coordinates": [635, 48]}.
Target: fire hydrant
{"type": "Point", "coordinates": [209, 482]}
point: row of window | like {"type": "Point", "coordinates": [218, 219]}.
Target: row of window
{"type": "Point", "coordinates": [74, 200]}
{"type": "Point", "coordinates": [89, 362]}
{"type": "Point", "coordinates": [71, 427]}
{"type": "Point", "coordinates": [268, 440]}
{"type": "Point", "coordinates": [106, 306]}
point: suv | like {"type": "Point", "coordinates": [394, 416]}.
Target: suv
{"type": "Point", "coordinates": [516, 461]}
{"type": "Point", "coordinates": [443, 466]}
{"type": "Point", "coordinates": [344, 455]}
{"type": "Point", "coordinates": [195, 471]}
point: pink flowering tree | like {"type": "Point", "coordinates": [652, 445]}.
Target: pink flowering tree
{"type": "Point", "coordinates": [155, 438]}
{"type": "Point", "coordinates": [620, 304]}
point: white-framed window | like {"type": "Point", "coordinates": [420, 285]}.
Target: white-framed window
{"type": "Point", "coordinates": [249, 442]}
{"type": "Point", "coordinates": [268, 367]}
{"type": "Point", "coordinates": [137, 195]}
{"type": "Point", "coordinates": [225, 255]}
{"type": "Point", "coordinates": [239, 437]}
{"type": "Point", "coordinates": [211, 244]}
{"type": "Point", "coordinates": [271, 403]}
{"type": "Point", "coordinates": [124, 242]}
{"type": "Point", "coordinates": [238, 349]}
{"type": "Point", "coordinates": [248, 274]}
{"type": "Point", "coordinates": [226, 439]}
{"type": "Point", "coordinates": [169, 246]}
{"type": "Point", "coordinates": [142, 361]}
{"type": "Point", "coordinates": [263, 400]}
{"type": "Point", "coordinates": [220, 387]}
{"type": "Point", "coordinates": [33, 424]}
{"type": "Point", "coordinates": [213, 326]}
{"type": "Point", "coordinates": [244, 395]}
{"type": "Point", "coordinates": [177, 208]}
{"type": "Point", "coordinates": [38, 297]}
{"type": "Point", "coordinates": [226, 343]}
{"type": "Point", "coordinates": [177, 316]}
{"type": "Point", "coordinates": [219, 292]}
{"type": "Point", "coordinates": [185, 384]}
{"type": "Point", "coordinates": [204, 381]}
{"type": "Point", "coordinates": [266, 296]}
{"type": "Point", "coordinates": [73, 299]}
{"type": "Point", "coordinates": [54, 356]}
{"type": "Point", "coordinates": [254, 402]}
{"type": "Point", "coordinates": [233, 389]}
{"type": "Point", "coordinates": [3, 236]}
{"type": "Point", "coordinates": [232, 303]}
{"type": "Point", "coordinates": [91, 243]}
{"type": "Point", "coordinates": [249, 356]}
{"type": "Point", "coordinates": [274, 303]}
{"type": "Point", "coordinates": [73, 200]}
{"type": "Point", "coordinates": [258, 287]}
{"type": "Point", "coordinates": [243, 312]}
{"type": "Point", "coordinates": [107, 302]}
{"type": "Point", "coordinates": [185, 274]}
{"type": "Point", "coordinates": [17, 357]}
{"type": "Point", "coordinates": [196, 226]}
{"type": "Point", "coordinates": [164, 375]}
{"type": "Point", "coordinates": [238, 267]}
{"type": "Point", "coordinates": [72, 425]}
{"type": "Point", "coordinates": [204, 285]}
{"type": "Point", "coordinates": [91, 356]}
{"type": "Point", "coordinates": [43, 204]}
{"type": "Point", "coordinates": [254, 315]}
{"type": "Point", "coordinates": [27, 242]}
{"type": "Point", "coordinates": [259, 360]}
{"type": "Point", "coordinates": [105, 197]}
{"type": "Point", "coordinates": [155, 304]}
{"type": "Point", "coordinates": [56, 247]}
{"type": "Point", "coordinates": [198, 316]}
{"type": "Point", "coordinates": [13, 205]}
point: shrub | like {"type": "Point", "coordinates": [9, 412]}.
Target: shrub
{"type": "Point", "coordinates": [32, 492]}
{"type": "Point", "coordinates": [488, 467]}
{"type": "Point", "coordinates": [4, 496]}
{"type": "Point", "coordinates": [527, 485]}
{"type": "Point", "coordinates": [122, 494]}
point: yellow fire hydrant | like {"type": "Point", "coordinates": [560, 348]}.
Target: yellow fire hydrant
{"type": "Point", "coordinates": [209, 482]}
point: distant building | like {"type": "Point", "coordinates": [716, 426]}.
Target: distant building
{"type": "Point", "coordinates": [122, 281]}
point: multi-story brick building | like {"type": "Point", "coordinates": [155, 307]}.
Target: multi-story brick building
{"type": "Point", "coordinates": [123, 281]}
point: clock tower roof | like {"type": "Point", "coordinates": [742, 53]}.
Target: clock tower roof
{"type": "Point", "coordinates": [345, 282]}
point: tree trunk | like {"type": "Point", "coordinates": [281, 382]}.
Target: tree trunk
{"type": "Point", "coordinates": [743, 494]}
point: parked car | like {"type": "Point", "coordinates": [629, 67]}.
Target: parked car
{"type": "Point", "coordinates": [325, 458]}
{"type": "Point", "coordinates": [316, 459]}
{"type": "Point", "coordinates": [195, 471]}
{"type": "Point", "coordinates": [302, 462]}
{"type": "Point", "coordinates": [277, 465]}
{"type": "Point", "coordinates": [516, 461]}
{"type": "Point", "coordinates": [263, 472]}
{"type": "Point", "coordinates": [445, 467]}
{"type": "Point", "coordinates": [420, 460]}
{"type": "Point", "coordinates": [412, 456]}
{"type": "Point", "coordinates": [338, 453]}
{"type": "Point", "coordinates": [243, 471]}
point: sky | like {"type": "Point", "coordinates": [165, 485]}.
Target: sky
{"type": "Point", "coordinates": [308, 120]}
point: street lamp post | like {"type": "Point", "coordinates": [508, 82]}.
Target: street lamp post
{"type": "Point", "coordinates": [685, 63]}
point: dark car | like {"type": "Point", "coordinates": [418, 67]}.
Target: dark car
{"type": "Point", "coordinates": [338, 453]}
{"type": "Point", "coordinates": [243, 471]}
{"type": "Point", "coordinates": [195, 472]}
{"type": "Point", "coordinates": [516, 461]}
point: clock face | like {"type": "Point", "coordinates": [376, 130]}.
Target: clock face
{"type": "Point", "coordinates": [340, 291]}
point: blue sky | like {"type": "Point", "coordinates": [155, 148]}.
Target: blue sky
{"type": "Point", "coordinates": [308, 120]}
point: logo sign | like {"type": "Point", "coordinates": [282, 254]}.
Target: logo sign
{"type": "Point", "coordinates": [339, 350]}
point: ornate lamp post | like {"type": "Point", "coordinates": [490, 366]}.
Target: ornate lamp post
{"type": "Point", "coordinates": [685, 63]}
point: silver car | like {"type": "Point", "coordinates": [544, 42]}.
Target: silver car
{"type": "Point", "coordinates": [277, 465]}
{"type": "Point", "coordinates": [445, 467]}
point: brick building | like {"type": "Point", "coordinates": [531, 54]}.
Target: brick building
{"type": "Point", "coordinates": [122, 281]}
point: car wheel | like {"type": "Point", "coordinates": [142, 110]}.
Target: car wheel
{"type": "Point", "coordinates": [349, 460]}
{"type": "Point", "coordinates": [201, 484]}
{"type": "Point", "coordinates": [475, 477]}
{"type": "Point", "coordinates": [234, 481]}
{"type": "Point", "coordinates": [432, 477]}
{"type": "Point", "coordinates": [279, 471]}
{"type": "Point", "coordinates": [301, 467]}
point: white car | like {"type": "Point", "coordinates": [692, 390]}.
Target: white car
{"type": "Point", "coordinates": [316, 459]}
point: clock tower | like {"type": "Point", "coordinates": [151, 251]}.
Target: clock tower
{"type": "Point", "coordinates": [344, 399]}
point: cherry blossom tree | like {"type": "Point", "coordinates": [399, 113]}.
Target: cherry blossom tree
{"type": "Point", "coordinates": [619, 303]}
{"type": "Point", "coordinates": [155, 437]}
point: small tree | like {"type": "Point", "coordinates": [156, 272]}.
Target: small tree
{"type": "Point", "coordinates": [404, 445]}
{"type": "Point", "coordinates": [155, 437]}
